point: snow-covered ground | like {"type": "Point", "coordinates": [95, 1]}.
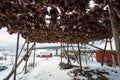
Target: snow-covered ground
{"type": "Point", "coordinates": [48, 69]}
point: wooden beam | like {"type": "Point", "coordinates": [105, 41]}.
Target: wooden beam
{"type": "Point", "coordinates": [115, 31]}
{"type": "Point", "coordinates": [102, 62]}
{"type": "Point", "coordinates": [115, 8]}
{"type": "Point", "coordinates": [21, 49]}
{"type": "Point", "coordinates": [16, 57]}
{"type": "Point", "coordinates": [79, 53]}
{"type": "Point", "coordinates": [69, 62]}
{"type": "Point", "coordinates": [12, 71]}
{"type": "Point", "coordinates": [95, 47]}
{"type": "Point", "coordinates": [26, 59]}
{"type": "Point", "coordinates": [61, 52]}
{"type": "Point", "coordinates": [19, 54]}
{"type": "Point", "coordinates": [75, 53]}
{"type": "Point", "coordinates": [34, 55]}
{"type": "Point", "coordinates": [113, 58]}
{"type": "Point", "coordinates": [86, 55]}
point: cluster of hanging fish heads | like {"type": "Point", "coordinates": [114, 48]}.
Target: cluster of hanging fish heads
{"type": "Point", "coordinates": [67, 21]}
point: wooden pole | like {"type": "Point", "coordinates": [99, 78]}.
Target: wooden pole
{"type": "Point", "coordinates": [86, 56]}
{"type": "Point", "coordinates": [79, 53]}
{"type": "Point", "coordinates": [10, 74]}
{"type": "Point", "coordinates": [34, 55]}
{"type": "Point", "coordinates": [61, 52]}
{"type": "Point", "coordinates": [115, 31]}
{"type": "Point", "coordinates": [19, 53]}
{"type": "Point", "coordinates": [102, 62]}
{"type": "Point", "coordinates": [64, 51]}
{"type": "Point", "coordinates": [75, 53]}
{"type": "Point", "coordinates": [27, 54]}
{"type": "Point", "coordinates": [115, 8]}
{"type": "Point", "coordinates": [113, 60]}
{"type": "Point", "coordinates": [68, 54]}
{"type": "Point", "coordinates": [21, 49]}
{"type": "Point", "coordinates": [95, 47]}
{"type": "Point", "coordinates": [16, 58]}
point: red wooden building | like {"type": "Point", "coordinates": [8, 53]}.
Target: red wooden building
{"type": "Point", "coordinates": [107, 57]}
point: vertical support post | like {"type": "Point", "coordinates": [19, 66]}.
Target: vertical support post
{"type": "Point", "coordinates": [34, 55]}
{"type": "Point", "coordinates": [16, 57]}
{"type": "Point", "coordinates": [56, 51]}
{"type": "Point", "coordinates": [75, 54]}
{"type": "Point", "coordinates": [112, 53]}
{"type": "Point", "coordinates": [115, 31]}
{"type": "Point", "coordinates": [79, 53]}
{"type": "Point", "coordinates": [61, 52]}
{"type": "Point", "coordinates": [86, 56]}
{"type": "Point", "coordinates": [26, 59]}
{"type": "Point", "coordinates": [102, 62]}
{"type": "Point", "coordinates": [68, 54]}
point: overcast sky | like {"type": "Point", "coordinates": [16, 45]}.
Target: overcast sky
{"type": "Point", "coordinates": [9, 41]}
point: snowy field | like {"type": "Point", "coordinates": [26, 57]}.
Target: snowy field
{"type": "Point", "coordinates": [48, 69]}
